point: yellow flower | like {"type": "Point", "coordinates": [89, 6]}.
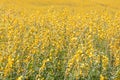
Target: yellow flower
{"type": "Point", "coordinates": [20, 78]}
{"type": "Point", "coordinates": [102, 77]}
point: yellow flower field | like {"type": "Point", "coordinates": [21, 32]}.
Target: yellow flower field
{"type": "Point", "coordinates": [59, 40]}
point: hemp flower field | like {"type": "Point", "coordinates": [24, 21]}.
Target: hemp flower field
{"type": "Point", "coordinates": [59, 40]}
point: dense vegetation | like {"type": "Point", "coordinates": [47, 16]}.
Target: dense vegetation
{"type": "Point", "coordinates": [59, 40]}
